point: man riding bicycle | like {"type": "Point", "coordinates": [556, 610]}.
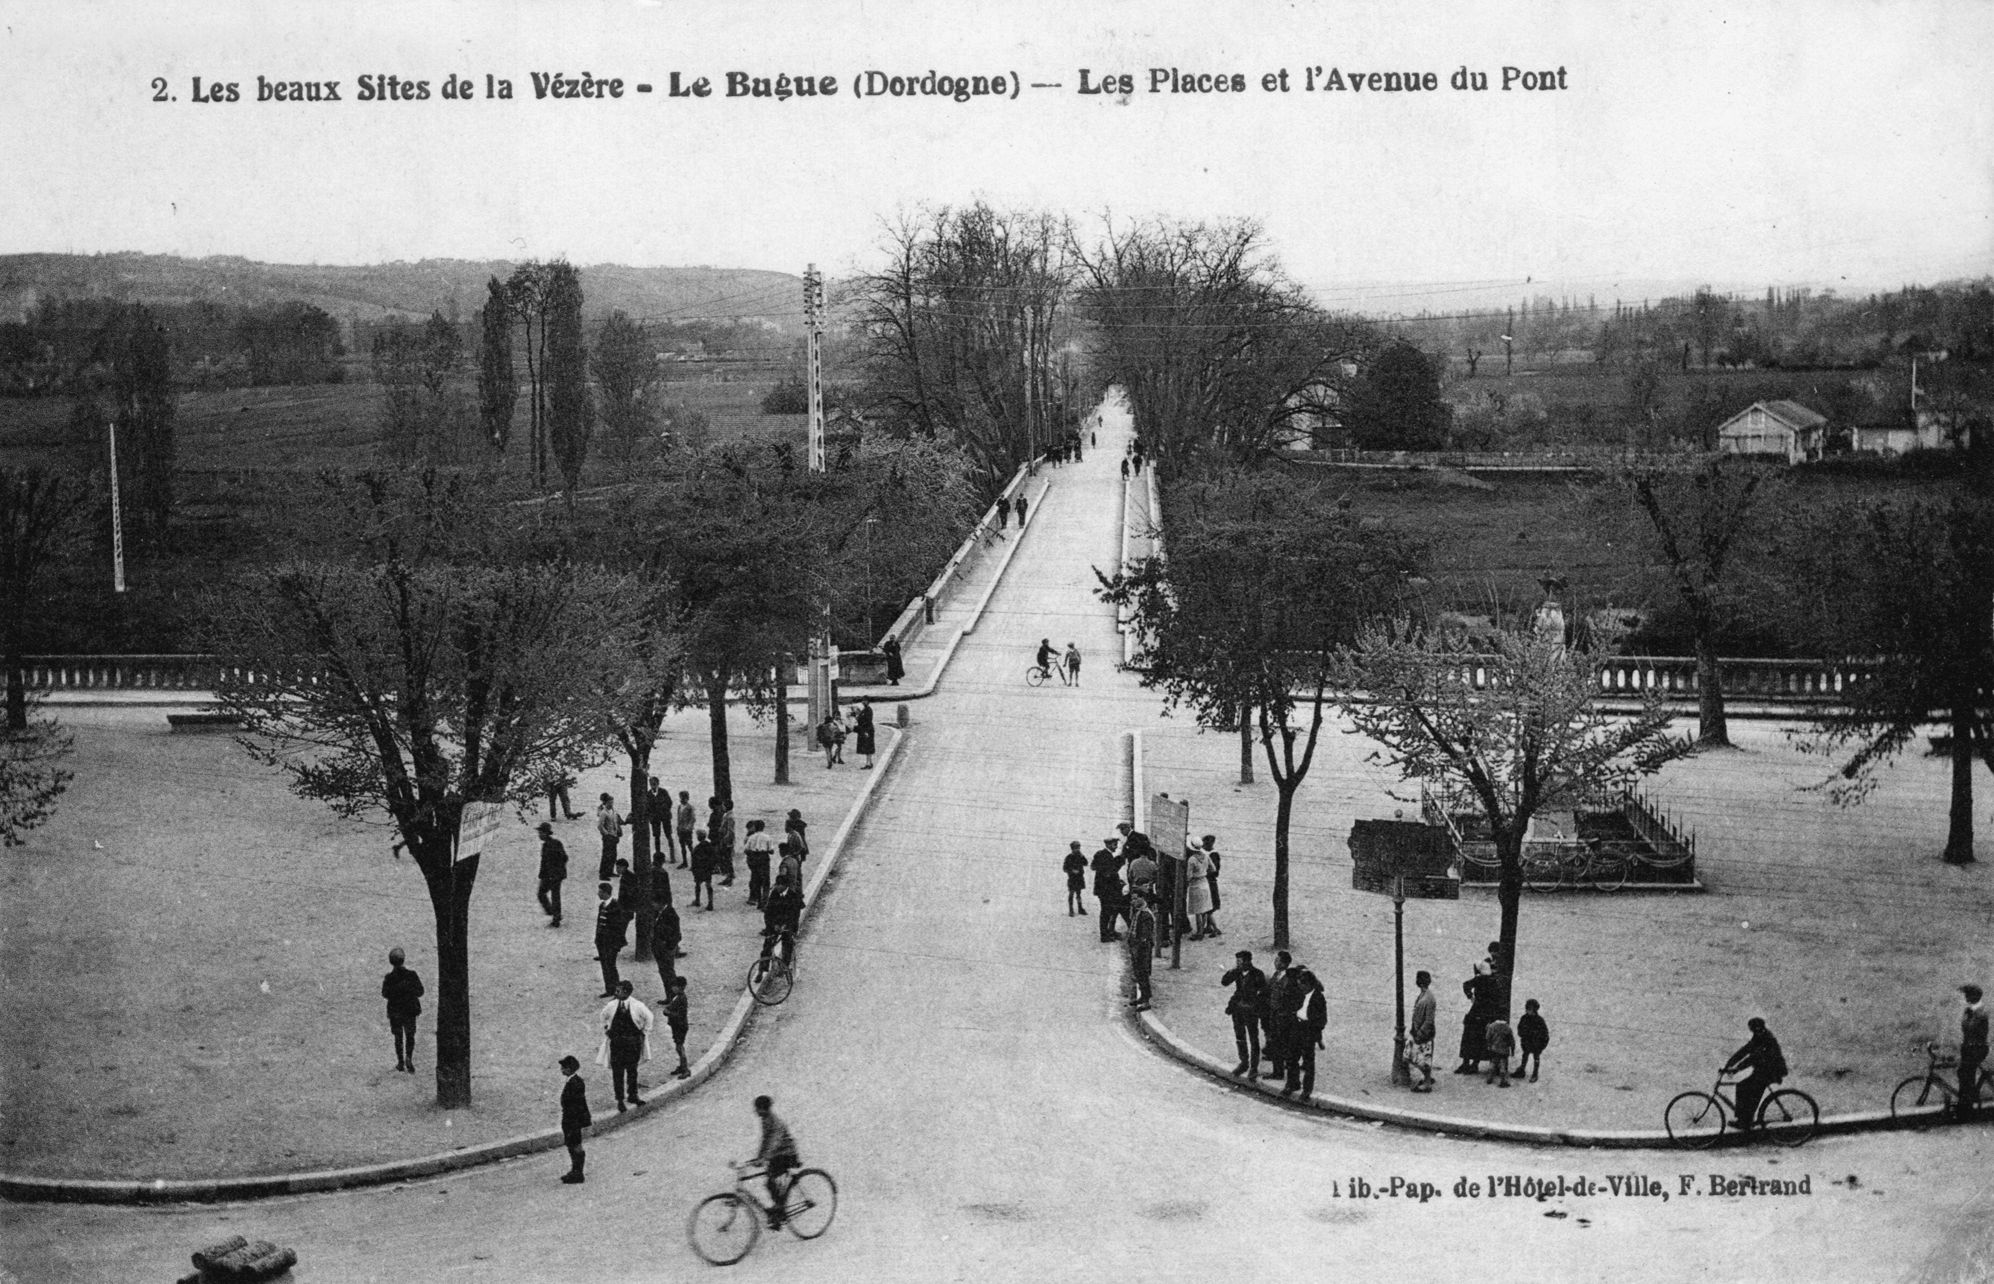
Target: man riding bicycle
{"type": "Point", "coordinates": [1761, 1055]}
{"type": "Point", "coordinates": [777, 1156]}
{"type": "Point", "coordinates": [1046, 653]}
{"type": "Point", "coordinates": [781, 912]}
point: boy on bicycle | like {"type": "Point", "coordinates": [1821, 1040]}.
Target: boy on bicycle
{"type": "Point", "coordinates": [777, 1155]}
{"type": "Point", "coordinates": [781, 913]}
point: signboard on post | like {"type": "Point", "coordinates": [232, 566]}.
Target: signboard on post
{"type": "Point", "coordinates": [1169, 826]}
{"type": "Point", "coordinates": [1382, 852]}
{"type": "Point", "coordinates": [477, 826]}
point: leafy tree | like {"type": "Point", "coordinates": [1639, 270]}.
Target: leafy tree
{"type": "Point", "coordinates": [1260, 587]}
{"type": "Point", "coordinates": [1395, 404]}
{"type": "Point", "coordinates": [1905, 589]}
{"type": "Point", "coordinates": [625, 370]}
{"type": "Point", "coordinates": [570, 413]}
{"type": "Point", "coordinates": [289, 343]}
{"type": "Point", "coordinates": [498, 390]}
{"type": "Point", "coordinates": [39, 513]}
{"type": "Point", "coordinates": [424, 415]}
{"type": "Point", "coordinates": [428, 668]}
{"type": "Point", "coordinates": [1530, 737]}
{"type": "Point", "coordinates": [1695, 528]}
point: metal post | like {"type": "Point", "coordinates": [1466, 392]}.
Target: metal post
{"type": "Point", "coordinates": [1401, 1076]}
{"type": "Point", "coordinates": [813, 321]}
{"type": "Point", "coordinates": [117, 517]}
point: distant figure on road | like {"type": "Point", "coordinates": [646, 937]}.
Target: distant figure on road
{"type": "Point", "coordinates": [1019, 503]}
{"type": "Point", "coordinates": [611, 923]}
{"type": "Point", "coordinates": [895, 668]}
{"type": "Point", "coordinates": [1072, 674]}
{"type": "Point", "coordinates": [1762, 1056]}
{"type": "Point", "coordinates": [626, 1042]}
{"type": "Point", "coordinates": [610, 826]}
{"type": "Point", "coordinates": [676, 1020]}
{"type": "Point", "coordinates": [1421, 1034]}
{"type": "Point", "coordinates": [402, 988]}
{"type": "Point", "coordinates": [574, 1117]}
{"type": "Point", "coordinates": [684, 820]}
{"type": "Point", "coordinates": [553, 872]}
{"type": "Point", "coordinates": [1075, 866]}
{"type": "Point", "coordinates": [1249, 997]}
{"type": "Point", "coordinates": [1107, 868]}
{"type": "Point", "coordinates": [1533, 1036]}
{"type": "Point", "coordinates": [1972, 1049]}
{"type": "Point", "coordinates": [1125, 467]}
{"type": "Point", "coordinates": [863, 732]}
{"type": "Point", "coordinates": [1003, 514]}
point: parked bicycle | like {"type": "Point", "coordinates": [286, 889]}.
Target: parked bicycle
{"type": "Point", "coordinates": [1934, 1094]}
{"type": "Point", "coordinates": [774, 974]}
{"type": "Point", "coordinates": [724, 1227]}
{"type": "Point", "coordinates": [1695, 1120]}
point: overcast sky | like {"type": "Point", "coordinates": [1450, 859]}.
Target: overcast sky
{"type": "Point", "coordinates": [1831, 142]}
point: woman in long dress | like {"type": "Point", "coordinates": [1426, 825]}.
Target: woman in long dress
{"type": "Point", "coordinates": [1480, 990]}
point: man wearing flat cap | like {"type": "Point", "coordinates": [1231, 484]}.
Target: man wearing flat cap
{"type": "Point", "coordinates": [1972, 1048]}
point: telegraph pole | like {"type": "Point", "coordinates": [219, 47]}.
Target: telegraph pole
{"type": "Point", "coordinates": [117, 517]}
{"type": "Point", "coordinates": [813, 325]}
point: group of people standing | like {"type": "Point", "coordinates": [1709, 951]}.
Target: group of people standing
{"type": "Point", "coordinates": [832, 733]}
{"type": "Point", "coordinates": [1064, 663]}
{"type": "Point", "coordinates": [1276, 1019]}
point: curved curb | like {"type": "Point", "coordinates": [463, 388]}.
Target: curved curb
{"type": "Point", "coordinates": [162, 1191]}
{"type": "Point", "coordinates": [1153, 1029]}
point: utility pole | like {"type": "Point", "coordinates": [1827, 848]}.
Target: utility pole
{"type": "Point", "coordinates": [820, 697]}
{"type": "Point", "coordinates": [117, 517]}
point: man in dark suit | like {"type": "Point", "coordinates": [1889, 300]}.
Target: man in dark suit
{"type": "Point", "coordinates": [1249, 996]}
{"type": "Point", "coordinates": [612, 921]}
{"type": "Point", "coordinates": [1277, 1016]}
{"type": "Point", "coordinates": [553, 872]}
{"type": "Point", "coordinates": [1761, 1055]}
{"type": "Point", "coordinates": [1107, 868]}
{"type": "Point", "coordinates": [1305, 1034]}
{"type": "Point", "coordinates": [1972, 1049]}
{"type": "Point", "coordinates": [574, 1117]}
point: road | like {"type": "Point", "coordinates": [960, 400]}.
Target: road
{"type": "Point", "coordinates": [956, 1053]}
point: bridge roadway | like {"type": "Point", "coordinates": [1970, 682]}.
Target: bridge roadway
{"type": "Point", "coordinates": [956, 1053]}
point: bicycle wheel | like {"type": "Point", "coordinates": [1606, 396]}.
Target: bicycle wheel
{"type": "Point", "coordinates": [723, 1228]}
{"type": "Point", "coordinates": [1791, 1115]}
{"type": "Point", "coordinates": [1694, 1120]}
{"type": "Point", "coordinates": [1035, 676]}
{"type": "Point", "coordinates": [810, 1203]}
{"type": "Point", "coordinates": [1543, 873]}
{"type": "Point", "coordinates": [1607, 871]}
{"type": "Point", "coordinates": [769, 981]}
{"type": "Point", "coordinates": [1919, 1097]}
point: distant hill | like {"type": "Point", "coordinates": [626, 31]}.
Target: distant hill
{"type": "Point", "coordinates": [378, 291]}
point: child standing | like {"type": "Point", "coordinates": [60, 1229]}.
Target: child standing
{"type": "Point", "coordinates": [1075, 866]}
{"type": "Point", "coordinates": [703, 861]}
{"type": "Point", "coordinates": [1535, 1037]}
{"type": "Point", "coordinates": [1501, 1043]}
{"type": "Point", "coordinates": [675, 1017]}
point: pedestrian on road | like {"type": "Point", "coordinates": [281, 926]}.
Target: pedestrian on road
{"type": "Point", "coordinates": [1125, 467]}
{"type": "Point", "coordinates": [553, 872]}
{"type": "Point", "coordinates": [1310, 1018]}
{"type": "Point", "coordinates": [1003, 515]}
{"type": "Point", "coordinates": [402, 988]}
{"type": "Point", "coordinates": [1420, 1038]}
{"type": "Point", "coordinates": [1501, 1043]}
{"type": "Point", "coordinates": [626, 1043]}
{"type": "Point", "coordinates": [1047, 653]}
{"type": "Point", "coordinates": [1212, 884]}
{"type": "Point", "coordinates": [863, 731]}
{"type": "Point", "coordinates": [1249, 996]}
{"type": "Point", "coordinates": [667, 934]}
{"type": "Point", "coordinates": [788, 864]}
{"type": "Point", "coordinates": [759, 848]}
{"type": "Point", "coordinates": [829, 733]}
{"type": "Point", "coordinates": [610, 826]}
{"type": "Point", "coordinates": [1761, 1055]}
{"type": "Point", "coordinates": [574, 1117]}
{"type": "Point", "coordinates": [1107, 868]}
{"type": "Point", "coordinates": [1075, 866]}
{"type": "Point", "coordinates": [1533, 1036]}
{"type": "Point", "coordinates": [1480, 991]}
{"type": "Point", "coordinates": [611, 924]}
{"type": "Point", "coordinates": [1197, 890]}
{"type": "Point", "coordinates": [685, 819]}
{"type": "Point", "coordinates": [1072, 665]}
{"type": "Point", "coordinates": [1019, 504]}
{"type": "Point", "coordinates": [895, 669]}
{"type": "Point", "coordinates": [1142, 946]}
{"type": "Point", "coordinates": [778, 1157]}
{"type": "Point", "coordinates": [558, 784]}
{"type": "Point", "coordinates": [704, 864]}
{"type": "Point", "coordinates": [676, 1020]}
{"type": "Point", "coordinates": [1972, 1049]}
{"type": "Point", "coordinates": [658, 814]}
{"type": "Point", "coordinates": [1278, 1014]}
{"type": "Point", "coordinates": [721, 833]}
{"type": "Point", "coordinates": [798, 830]}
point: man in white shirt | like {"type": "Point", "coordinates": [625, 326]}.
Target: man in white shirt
{"type": "Point", "coordinates": [626, 1042]}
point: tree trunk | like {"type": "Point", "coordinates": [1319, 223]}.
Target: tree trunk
{"type": "Point", "coordinates": [640, 845]}
{"type": "Point", "coordinates": [450, 898]}
{"type": "Point", "coordinates": [1284, 809]}
{"type": "Point", "coordinates": [1711, 730]}
{"type": "Point", "coordinates": [716, 721]}
{"type": "Point", "coordinates": [1959, 821]}
{"type": "Point", "coordinates": [17, 693]}
{"type": "Point", "coordinates": [781, 720]}
{"type": "Point", "coordinates": [1245, 745]}
{"type": "Point", "coordinates": [1509, 898]}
